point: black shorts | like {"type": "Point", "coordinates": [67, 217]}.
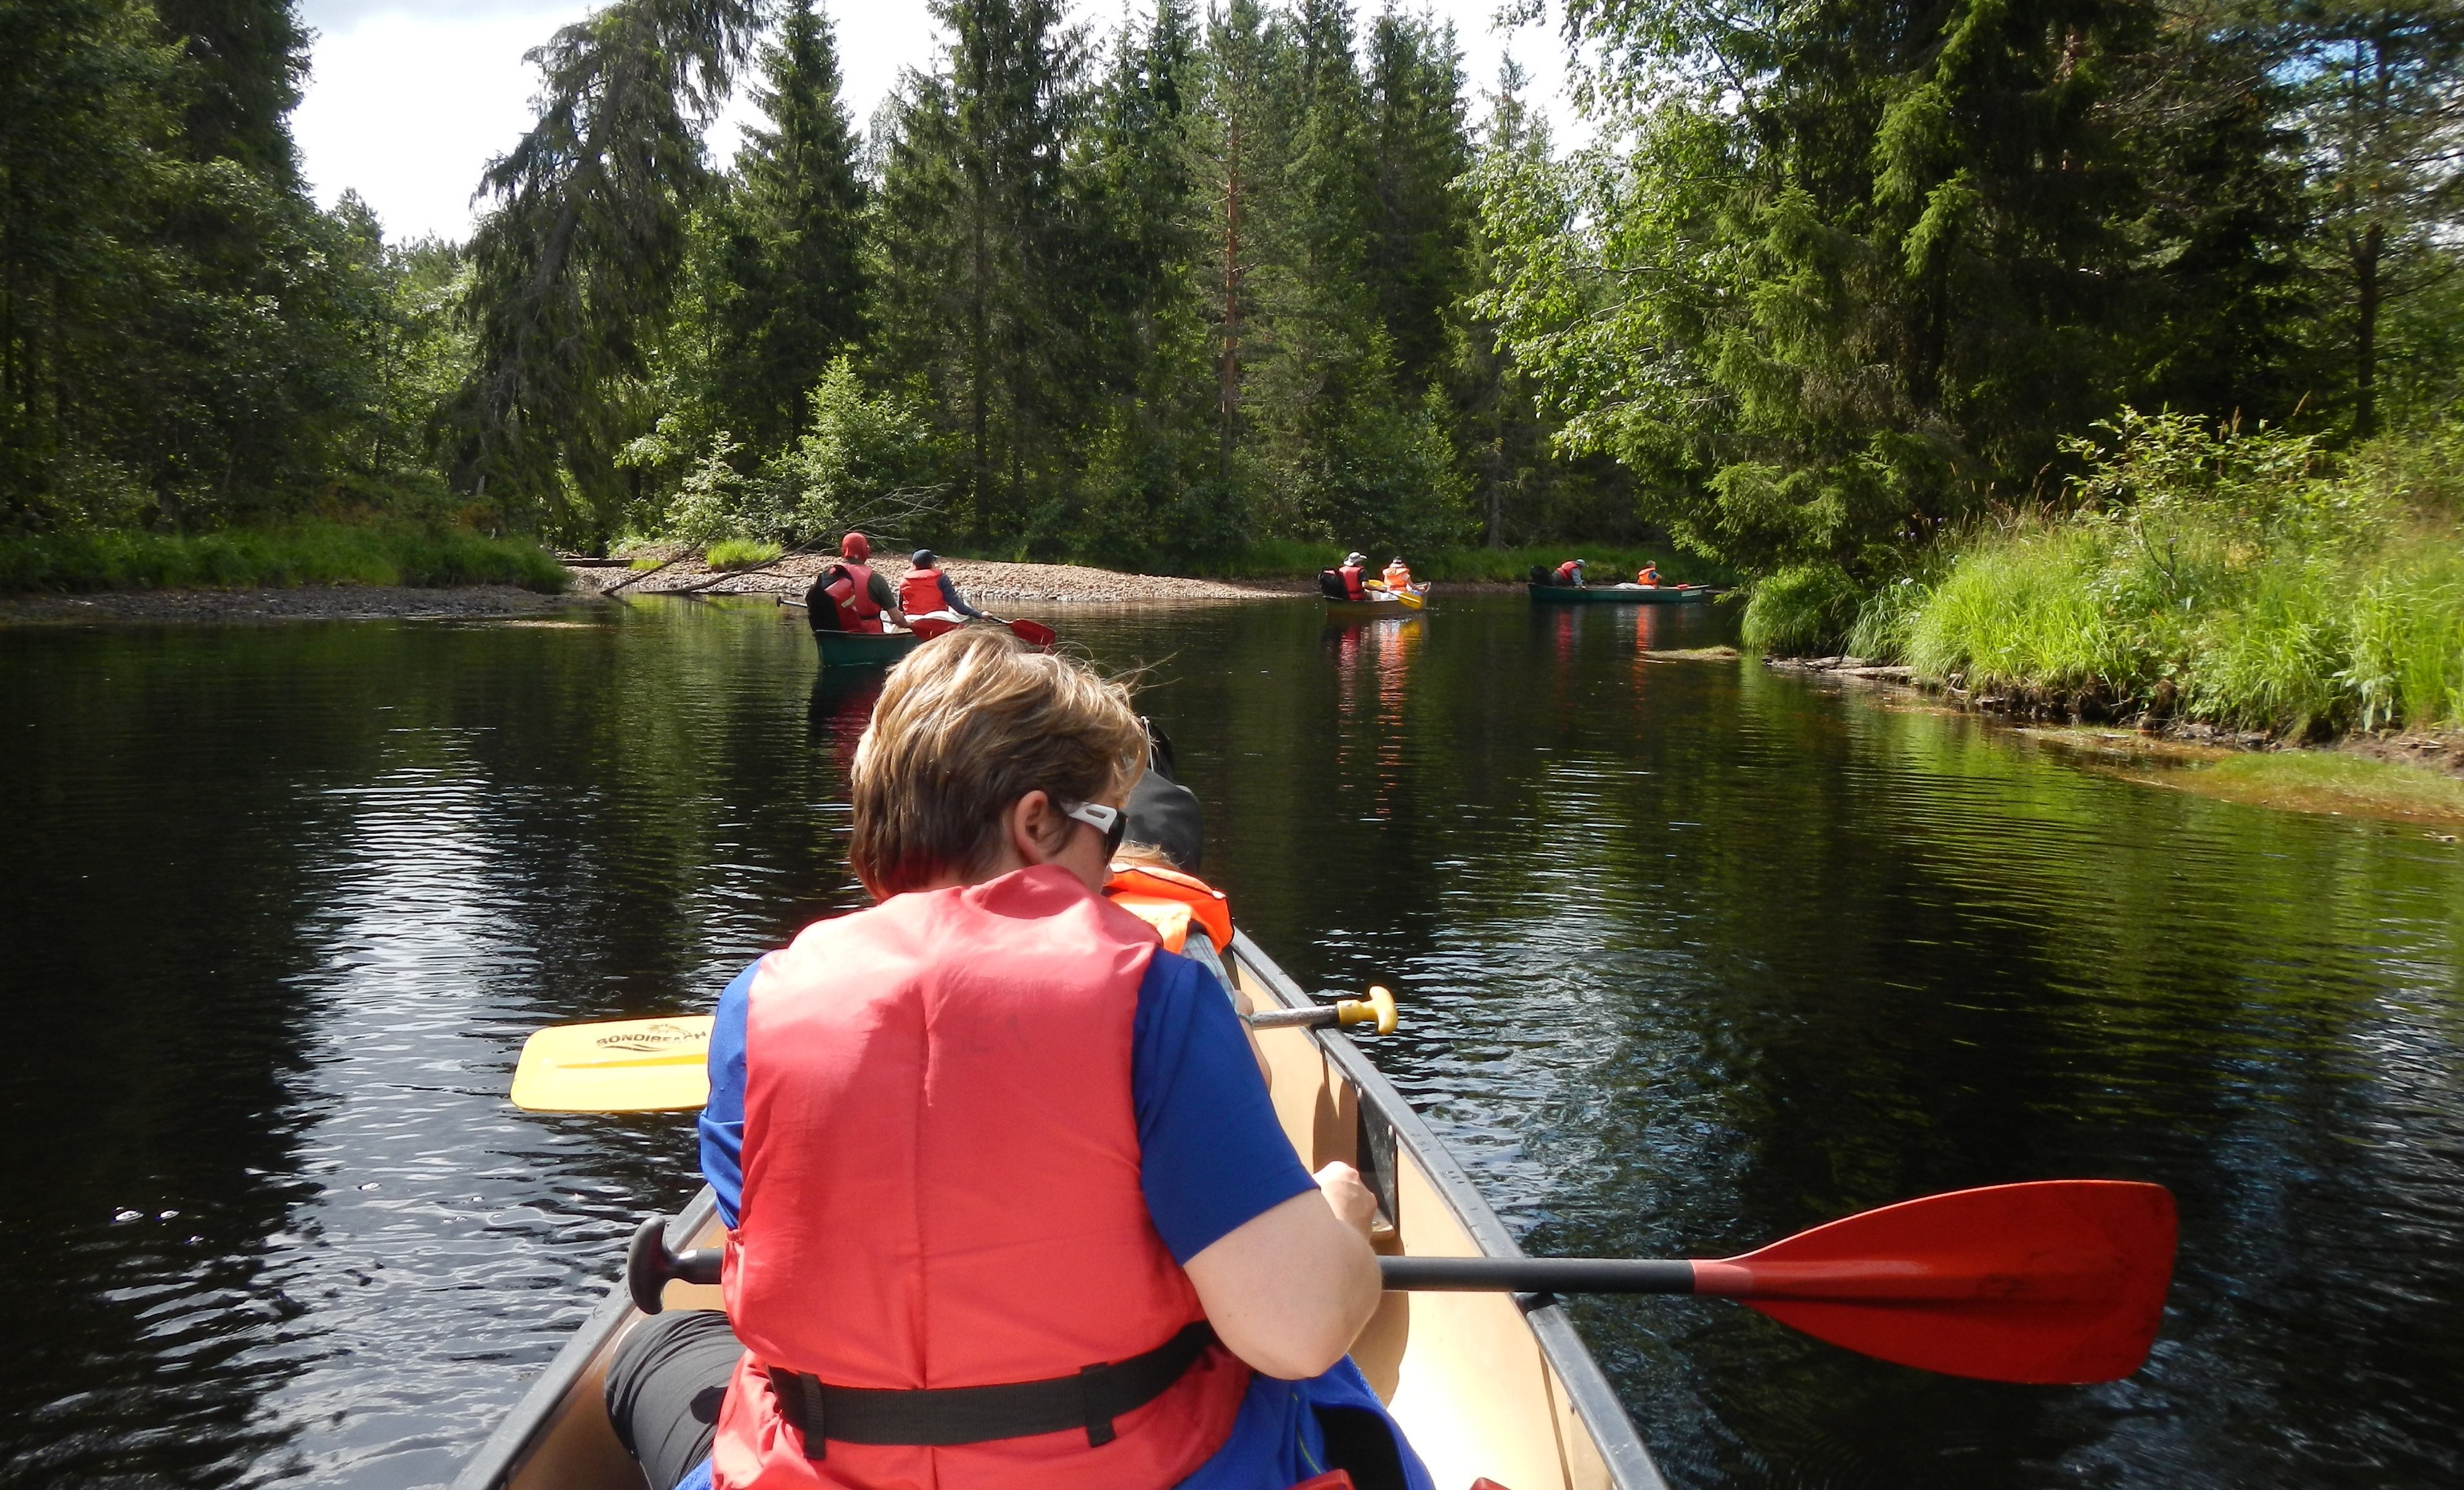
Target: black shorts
{"type": "Point", "coordinates": [665, 1387]}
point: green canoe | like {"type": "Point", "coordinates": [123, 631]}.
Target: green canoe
{"type": "Point", "coordinates": [1618, 594]}
{"type": "Point", "coordinates": [865, 649]}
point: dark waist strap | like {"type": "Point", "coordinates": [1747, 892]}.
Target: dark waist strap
{"type": "Point", "coordinates": [944, 1415]}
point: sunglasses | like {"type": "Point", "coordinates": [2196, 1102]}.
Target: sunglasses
{"type": "Point", "coordinates": [1109, 821]}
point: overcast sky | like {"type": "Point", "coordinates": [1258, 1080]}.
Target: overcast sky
{"type": "Point", "coordinates": [408, 104]}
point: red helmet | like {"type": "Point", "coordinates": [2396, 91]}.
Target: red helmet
{"type": "Point", "coordinates": [856, 546]}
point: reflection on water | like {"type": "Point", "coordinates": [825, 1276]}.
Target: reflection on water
{"type": "Point", "coordinates": [1694, 955]}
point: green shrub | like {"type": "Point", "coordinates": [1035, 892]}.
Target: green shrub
{"type": "Point", "coordinates": [741, 553]}
{"type": "Point", "coordinates": [1804, 609]}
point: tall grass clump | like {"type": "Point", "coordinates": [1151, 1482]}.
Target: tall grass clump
{"type": "Point", "coordinates": [2241, 578]}
{"type": "Point", "coordinates": [741, 553]}
{"type": "Point", "coordinates": [329, 554]}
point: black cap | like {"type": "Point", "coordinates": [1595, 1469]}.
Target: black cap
{"type": "Point", "coordinates": [923, 559]}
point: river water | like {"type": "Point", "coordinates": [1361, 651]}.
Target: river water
{"type": "Point", "coordinates": [1693, 956]}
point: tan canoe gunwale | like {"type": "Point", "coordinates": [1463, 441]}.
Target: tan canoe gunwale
{"type": "Point", "coordinates": [1386, 1127]}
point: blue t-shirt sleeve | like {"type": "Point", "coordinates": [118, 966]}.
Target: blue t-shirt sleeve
{"type": "Point", "coordinates": [949, 594]}
{"type": "Point", "coordinates": [722, 1119]}
{"type": "Point", "coordinates": [1211, 1155]}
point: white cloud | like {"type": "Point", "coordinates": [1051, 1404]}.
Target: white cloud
{"type": "Point", "coordinates": [408, 106]}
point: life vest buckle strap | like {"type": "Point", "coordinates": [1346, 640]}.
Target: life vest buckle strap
{"type": "Point", "coordinates": [942, 1416]}
{"type": "Point", "coordinates": [1099, 1423]}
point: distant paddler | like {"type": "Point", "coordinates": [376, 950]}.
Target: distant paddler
{"type": "Point", "coordinates": [847, 595]}
{"type": "Point", "coordinates": [1570, 574]}
{"type": "Point", "coordinates": [1649, 576]}
{"type": "Point", "coordinates": [933, 604]}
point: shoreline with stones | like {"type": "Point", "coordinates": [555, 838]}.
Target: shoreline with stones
{"type": "Point", "coordinates": [595, 582]}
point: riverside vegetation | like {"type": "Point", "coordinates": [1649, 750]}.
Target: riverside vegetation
{"type": "Point", "coordinates": [1832, 292]}
{"type": "Point", "coordinates": [2248, 579]}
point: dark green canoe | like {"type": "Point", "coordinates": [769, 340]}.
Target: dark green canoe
{"type": "Point", "coordinates": [865, 649]}
{"type": "Point", "coordinates": [1618, 594]}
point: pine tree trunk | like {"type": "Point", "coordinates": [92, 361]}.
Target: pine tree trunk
{"type": "Point", "coordinates": [2365, 341]}
{"type": "Point", "coordinates": [1229, 390]}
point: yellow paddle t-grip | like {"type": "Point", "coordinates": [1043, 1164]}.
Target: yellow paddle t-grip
{"type": "Point", "coordinates": [1377, 1008]}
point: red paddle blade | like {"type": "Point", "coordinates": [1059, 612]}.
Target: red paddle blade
{"type": "Point", "coordinates": [1035, 634]}
{"type": "Point", "coordinates": [2056, 1281]}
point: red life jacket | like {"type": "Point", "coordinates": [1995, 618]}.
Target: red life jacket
{"type": "Point", "coordinates": [941, 1190]}
{"type": "Point", "coordinates": [1566, 572]}
{"type": "Point", "coordinates": [1350, 574]}
{"type": "Point", "coordinates": [920, 593]}
{"type": "Point", "coordinates": [858, 610]}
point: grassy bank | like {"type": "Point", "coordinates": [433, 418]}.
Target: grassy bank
{"type": "Point", "coordinates": [1285, 559]}
{"type": "Point", "coordinates": [275, 558]}
{"type": "Point", "coordinates": [2245, 579]}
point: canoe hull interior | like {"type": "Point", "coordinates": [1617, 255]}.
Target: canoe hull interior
{"type": "Point", "coordinates": [1611, 595]}
{"type": "Point", "coordinates": [1482, 1389]}
{"type": "Point", "coordinates": [865, 649]}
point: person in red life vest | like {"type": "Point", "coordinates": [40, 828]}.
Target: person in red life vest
{"type": "Point", "coordinates": [1009, 1205]}
{"type": "Point", "coordinates": [1354, 566]}
{"type": "Point", "coordinates": [1649, 578]}
{"type": "Point", "coordinates": [933, 604]}
{"type": "Point", "coordinates": [847, 595]}
{"type": "Point", "coordinates": [1571, 572]}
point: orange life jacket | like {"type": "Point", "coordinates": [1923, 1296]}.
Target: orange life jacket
{"type": "Point", "coordinates": [853, 593]}
{"type": "Point", "coordinates": [1350, 574]}
{"type": "Point", "coordinates": [941, 1190]}
{"type": "Point", "coordinates": [1650, 575]}
{"type": "Point", "coordinates": [1397, 576]}
{"type": "Point", "coordinates": [1171, 901]}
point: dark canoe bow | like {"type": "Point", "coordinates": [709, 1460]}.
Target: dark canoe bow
{"type": "Point", "coordinates": [865, 649]}
{"type": "Point", "coordinates": [1618, 596]}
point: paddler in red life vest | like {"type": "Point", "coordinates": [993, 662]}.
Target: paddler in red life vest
{"type": "Point", "coordinates": [931, 603]}
{"type": "Point", "coordinates": [847, 595]}
{"type": "Point", "coordinates": [1009, 1205]}
{"type": "Point", "coordinates": [1570, 574]}
{"type": "Point", "coordinates": [1353, 566]}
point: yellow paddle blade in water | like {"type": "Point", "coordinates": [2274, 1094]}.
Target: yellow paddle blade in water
{"type": "Point", "coordinates": [624, 1065]}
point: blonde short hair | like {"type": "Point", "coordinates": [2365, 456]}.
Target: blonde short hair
{"type": "Point", "coordinates": [967, 724]}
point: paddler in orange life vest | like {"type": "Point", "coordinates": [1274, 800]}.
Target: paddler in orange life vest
{"type": "Point", "coordinates": [1009, 1205]}
{"type": "Point", "coordinates": [1649, 578]}
{"type": "Point", "coordinates": [1399, 574]}
{"type": "Point", "coordinates": [933, 604]}
{"type": "Point", "coordinates": [847, 595]}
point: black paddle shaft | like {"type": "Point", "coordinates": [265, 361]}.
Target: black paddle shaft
{"type": "Point", "coordinates": [1536, 1275]}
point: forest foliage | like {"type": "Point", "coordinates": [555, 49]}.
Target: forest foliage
{"type": "Point", "coordinates": [1830, 287]}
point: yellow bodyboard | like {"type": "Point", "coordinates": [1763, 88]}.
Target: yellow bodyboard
{"type": "Point", "coordinates": [624, 1065]}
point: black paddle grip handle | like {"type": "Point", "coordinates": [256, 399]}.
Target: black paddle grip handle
{"type": "Point", "coordinates": [1536, 1275]}
{"type": "Point", "coordinates": [649, 1265]}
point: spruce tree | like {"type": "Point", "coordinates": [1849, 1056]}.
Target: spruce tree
{"type": "Point", "coordinates": [792, 228]}
{"type": "Point", "coordinates": [1420, 146]}
{"type": "Point", "coordinates": [246, 59]}
{"type": "Point", "coordinates": [976, 244]}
